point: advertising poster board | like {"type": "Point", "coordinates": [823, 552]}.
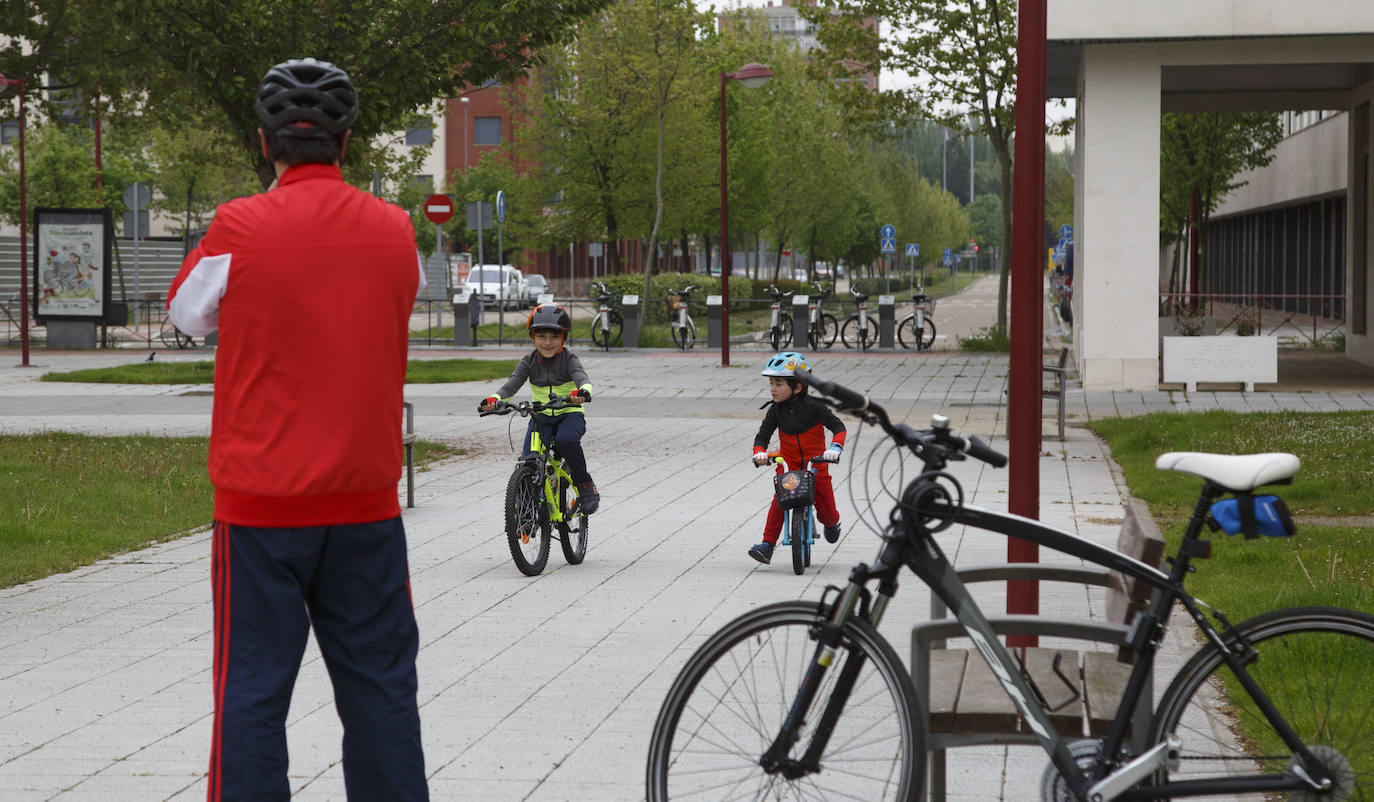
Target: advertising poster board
{"type": "Point", "coordinates": [72, 263]}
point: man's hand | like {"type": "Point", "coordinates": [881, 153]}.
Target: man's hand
{"type": "Point", "coordinates": [488, 404]}
{"type": "Point", "coordinates": [760, 459]}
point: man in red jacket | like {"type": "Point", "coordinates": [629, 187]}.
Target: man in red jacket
{"type": "Point", "coordinates": [310, 286]}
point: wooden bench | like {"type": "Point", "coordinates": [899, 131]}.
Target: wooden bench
{"type": "Point", "coordinates": [1059, 373]}
{"type": "Point", "coordinates": [408, 442]}
{"type": "Point", "coordinates": [965, 703]}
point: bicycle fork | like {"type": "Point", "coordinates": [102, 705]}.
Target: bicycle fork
{"type": "Point", "coordinates": [828, 636]}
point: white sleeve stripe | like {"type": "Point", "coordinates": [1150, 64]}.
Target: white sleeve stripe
{"type": "Point", "coordinates": [195, 307]}
{"type": "Point", "coordinates": [420, 262]}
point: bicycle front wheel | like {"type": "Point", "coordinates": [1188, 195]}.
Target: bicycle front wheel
{"type": "Point", "coordinates": [572, 532]}
{"type": "Point", "coordinates": [909, 337]}
{"type": "Point", "coordinates": [606, 330]}
{"type": "Point", "coordinates": [829, 330]}
{"type": "Point", "coordinates": [781, 337]}
{"type": "Point", "coordinates": [527, 527]}
{"type": "Point", "coordinates": [685, 337]}
{"type": "Point", "coordinates": [1313, 663]}
{"type": "Point", "coordinates": [855, 336]}
{"type": "Point", "coordinates": [796, 523]}
{"type": "Point", "coordinates": [729, 702]}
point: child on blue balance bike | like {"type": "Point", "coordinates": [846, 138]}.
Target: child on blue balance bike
{"type": "Point", "coordinates": [800, 422]}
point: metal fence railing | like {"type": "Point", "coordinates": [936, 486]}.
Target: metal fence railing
{"type": "Point", "coordinates": [1313, 319]}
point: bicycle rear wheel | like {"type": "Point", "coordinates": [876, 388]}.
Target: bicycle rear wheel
{"type": "Point", "coordinates": [829, 330]}
{"type": "Point", "coordinates": [909, 337]}
{"type": "Point", "coordinates": [855, 336]}
{"type": "Point", "coordinates": [1313, 662]}
{"type": "Point", "coordinates": [572, 531]}
{"type": "Point", "coordinates": [729, 702]}
{"type": "Point", "coordinates": [527, 527]}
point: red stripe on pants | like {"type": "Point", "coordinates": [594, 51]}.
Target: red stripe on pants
{"type": "Point", "coordinates": [219, 574]}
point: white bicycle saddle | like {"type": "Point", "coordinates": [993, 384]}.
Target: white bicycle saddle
{"type": "Point", "coordinates": [1232, 471]}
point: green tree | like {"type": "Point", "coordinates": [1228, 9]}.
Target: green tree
{"type": "Point", "coordinates": [401, 54]}
{"type": "Point", "coordinates": [963, 55]}
{"type": "Point", "coordinates": [1058, 187]}
{"type": "Point", "coordinates": [60, 168]}
{"type": "Point", "coordinates": [1201, 156]}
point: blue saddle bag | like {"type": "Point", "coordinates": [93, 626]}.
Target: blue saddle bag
{"type": "Point", "coordinates": [1253, 516]}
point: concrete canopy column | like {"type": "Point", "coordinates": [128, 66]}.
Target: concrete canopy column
{"type": "Point", "coordinates": [1116, 274]}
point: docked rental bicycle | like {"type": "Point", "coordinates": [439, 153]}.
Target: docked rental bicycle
{"type": "Point", "coordinates": [808, 700]}
{"type": "Point", "coordinates": [541, 497]}
{"type": "Point", "coordinates": [607, 325]}
{"type": "Point", "coordinates": [684, 331]}
{"type": "Point", "coordinates": [917, 330]}
{"type": "Point", "coordinates": [821, 326]}
{"type": "Point", "coordinates": [779, 322]}
{"type": "Point", "coordinates": [795, 492]}
{"type": "Point", "coordinates": [859, 330]}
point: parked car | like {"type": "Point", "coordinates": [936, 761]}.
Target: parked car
{"type": "Point", "coordinates": [498, 283]}
{"type": "Point", "coordinates": [538, 285]}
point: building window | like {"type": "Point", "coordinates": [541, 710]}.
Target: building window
{"type": "Point", "coordinates": [486, 131]}
{"type": "Point", "coordinates": [9, 132]}
{"type": "Point", "coordinates": [422, 134]}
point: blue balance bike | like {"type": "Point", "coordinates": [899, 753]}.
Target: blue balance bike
{"type": "Point", "coordinates": [796, 495]}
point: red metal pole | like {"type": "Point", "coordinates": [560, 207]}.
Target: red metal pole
{"type": "Point", "coordinates": [724, 240]}
{"type": "Point", "coordinates": [1028, 224]}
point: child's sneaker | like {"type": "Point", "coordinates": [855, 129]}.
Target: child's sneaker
{"type": "Point", "coordinates": [832, 533]}
{"type": "Point", "coordinates": [763, 552]}
{"type": "Point", "coordinates": [587, 498]}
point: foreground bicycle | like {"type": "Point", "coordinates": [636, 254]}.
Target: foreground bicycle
{"type": "Point", "coordinates": [808, 700]}
{"type": "Point", "coordinates": [607, 325]}
{"type": "Point", "coordinates": [540, 497]}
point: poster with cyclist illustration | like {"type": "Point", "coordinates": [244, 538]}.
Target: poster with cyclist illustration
{"type": "Point", "coordinates": [71, 268]}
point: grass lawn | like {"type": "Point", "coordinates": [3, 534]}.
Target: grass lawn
{"type": "Point", "coordinates": [71, 499]}
{"type": "Point", "coordinates": [1331, 563]}
{"type": "Point", "coordinates": [418, 371]}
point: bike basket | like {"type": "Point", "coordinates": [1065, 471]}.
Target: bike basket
{"type": "Point", "coordinates": [674, 301]}
{"type": "Point", "coordinates": [795, 489]}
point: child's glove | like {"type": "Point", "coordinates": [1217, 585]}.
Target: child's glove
{"type": "Point", "coordinates": [580, 396]}
{"type": "Point", "coordinates": [832, 454]}
{"type": "Point", "coordinates": [760, 459]}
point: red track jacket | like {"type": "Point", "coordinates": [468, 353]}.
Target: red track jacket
{"type": "Point", "coordinates": [310, 286]}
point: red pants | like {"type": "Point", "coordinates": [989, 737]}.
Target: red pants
{"type": "Point", "coordinates": [825, 508]}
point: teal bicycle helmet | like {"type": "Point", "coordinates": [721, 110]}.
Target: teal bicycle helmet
{"type": "Point", "coordinates": [782, 364]}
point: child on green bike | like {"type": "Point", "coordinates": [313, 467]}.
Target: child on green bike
{"type": "Point", "coordinates": [552, 369]}
{"type": "Point", "coordinates": [800, 422]}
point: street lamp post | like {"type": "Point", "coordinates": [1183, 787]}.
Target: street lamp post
{"type": "Point", "coordinates": [750, 76]}
{"type": "Point", "coordinates": [467, 134]}
{"type": "Point", "coordinates": [23, 230]}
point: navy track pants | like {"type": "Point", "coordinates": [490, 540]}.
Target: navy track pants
{"type": "Point", "coordinates": [351, 584]}
{"type": "Point", "coordinates": [565, 432]}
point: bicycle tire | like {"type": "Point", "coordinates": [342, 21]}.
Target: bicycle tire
{"type": "Point", "coordinates": [572, 531]}
{"type": "Point", "coordinates": [527, 527]}
{"type": "Point", "coordinates": [612, 334]}
{"type": "Point", "coordinates": [685, 337]}
{"type": "Point", "coordinates": [810, 533]}
{"type": "Point", "coordinates": [796, 527]}
{"type": "Point", "coordinates": [728, 702]}
{"type": "Point", "coordinates": [853, 337]}
{"type": "Point", "coordinates": [829, 331]}
{"type": "Point", "coordinates": [781, 336]}
{"type": "Point", "coordinates": [908, 336]}
{"type": "Point", "coordinates": [1305, 657]}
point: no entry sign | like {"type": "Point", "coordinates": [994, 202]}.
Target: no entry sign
{"type": "Point", "coordinates": [438, 208]}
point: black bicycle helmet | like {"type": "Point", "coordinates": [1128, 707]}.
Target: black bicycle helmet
{"type": "Point", "coordinates": [551, 317]}
{"type": "Point", "coordinates": [306, 91]}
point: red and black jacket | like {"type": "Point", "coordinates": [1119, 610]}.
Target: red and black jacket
{"type": "Point", "coordinates": [800, 422]}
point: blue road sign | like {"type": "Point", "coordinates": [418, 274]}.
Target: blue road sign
{"type": "Point", "coordinates": [1066, 232]}
{"type": "Point", "coordinates": [888, 244]}
{"type": "Point", "coordinates": [501, 205]}
{"type": "Point", "coordinates": [948, 258]}
{"type": "Point", "coordinates": [913, 249]}
{"type": "Point", "coordinates": [887, 232]}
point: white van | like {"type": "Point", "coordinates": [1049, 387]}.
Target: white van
{"type": "Point", "coordinates": [498, 283]}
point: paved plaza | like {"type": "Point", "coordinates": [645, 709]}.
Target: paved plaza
{"type": "Point", "coordinates": [541, 688]}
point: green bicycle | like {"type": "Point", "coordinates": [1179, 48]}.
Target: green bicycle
{"type": "Point", "coordinates": [541, 497]}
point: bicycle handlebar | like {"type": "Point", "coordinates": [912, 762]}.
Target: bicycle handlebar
{"type": "Point", "coordinates": [935, 444]}
{"type": "Point", "coordinates": [527, 408]}
{"type": "Point", "coordinates": [777, 293]}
